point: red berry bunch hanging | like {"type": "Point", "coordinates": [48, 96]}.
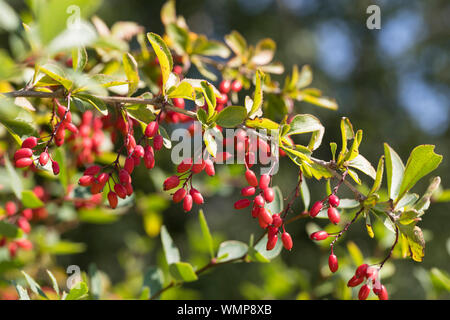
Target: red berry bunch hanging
{"type": "Point", "coordinates": [370, 277]}
{"type": "Point", "coordinates": [333, 213]}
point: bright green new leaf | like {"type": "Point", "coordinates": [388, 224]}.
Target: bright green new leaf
{"type": "Point", "coordinates": [264, 52]}
{"type": "Point", "coordinates": [164, 56]}
{"type": "Point", "coordinates": [30, 200]}
{"type": "Point", "coordinates": [56, 73]}
{"type": "Point", "coordinates": [355, 253]}
{"type": "Point", "coordinates": [183, 90]}
{"type": "Point", "coordinates": [236, 42]}
{"type": "Point", "coordinates": [182, 271]}
{"type": "Point", "coordinates": [379, 177]}
{"type": "Point", "coordinates": [262, 123]}
{"type": "Point", "coordinates": [131, 70]}
{"type": "Point", "coordinates": [179, 37]}
{"type": "Point", "coordinates": [34, 286]}
{"type": "Point", "coordinates": [79, 58]}
{"type": "Point", "coordinates": [210, 97]}
{"type": "Point", "coordinates": [258, 98]}
{"type": "Point", "coordinates": [304, 123]}
{"type": "Point", "coordinates": [394, 171]}
{"type": "Point", "coordinates": [78, 291]}
{"type": "Point", "coordinates": [363, 165]}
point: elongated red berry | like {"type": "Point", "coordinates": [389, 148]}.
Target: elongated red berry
{"type": "Point", "coordinates": [120, 190]}
{"type": "Point", "coordinates": [196, 196]}
{"type": "Point", "coordinates": [269, 195]}
{"type": "Point", "coordinates": [361, 270]}
{"type": "Point", "coordinates": [86, 181]}
{"type": "Point", "coordinates": [242, 203]}
{"type": "Point", "coordinates": [185, 165]}
{"type": "Point", "coordinates": [43, 158]}
{"type": "Point", "coordinates": [179, 195]}
{"type": "Point", "coordinates": [129, 188]}
{"type": "Point", "coordinates": [12, 248]}
{"type": "Point", "coordinates": [139, 151]}
{"type": "Point", "coordinates": [334, 215]}
{"type": "Point", "coordinates": [225, 86]}
{"type": "Point", "coordinates": [151, 129]}
{"type": "Point", "coordinates": [222, 99]}
{"type": "Point", "coordinates": [255, 211]}
{"type": "Point", "coordinates": [92, 170]}
{"type": "Point", "coordinates": [363, 292]}
{"type": "Point", "coordinates": [372, 273]}
{"type": "Point", "coordinates": [24, 244]}
{"type": "Point", "coordinates": [319, 235]}
{"type": "Point", "coordinates": [158, 142]}
{"type": "Point", "coordinates": [264, 181]}
{"type": "Point", "coordinates": [129, 165]}
{"type": "Point", "coordinates": [259, 201]}
{"type": "Point", "coordinates": [248, 191]}
{"type": "Point", "coordinates": [287, 240]}
{"type": "Point", "coordinates": [276, 220]}
{"type": "Point", "coordinates": [23, 162]}
{"type": "Point", "coordinates": [333, 200]}
{"type": "Point", "coordinates": [103, 178]}
{"type": "Point", "coordinates": [333, 263]}
{"type": "Point", "coordinates": [236, 86]}
{"type": "Point", "coordinates": [23, 153]}
{"type": "Point", "coordinates": [112, 199]}
{"type": "Point", "coordinates": [271, 242]}
{"type": "Point", "coordinates": [55, 167]}
{"type": "Point", "coordinates": [29, 142]}
{"type": "Point", "coordinates": [355, 281]}
{"type": "Point", "coordinates": [124, 176]}
{"type": "Point", "coordinates": [265, 215]}
{"type": "Point", "coordinates": [27, 214]}
{"type": "Point", "coordinates": [251, 178]}
{"type": "Point", "coordinates": [171, 182]}
{"type": "Point", "coordinates": [23, 224]}
{"type": "Point", "coordinates": [209, 168]}
{"type": "Point", "coordinates": [10, 208]}
{"type": "Point", "coordinates": [187, 203]}
{"type": "Point", "coordinates": [315, 209]}
{"type": "Point", "coordinates": [198, 167]}
{"type": "Point", "coordinates": [149, 159]}
{"type": "Point", "coordinates": [383, 294]}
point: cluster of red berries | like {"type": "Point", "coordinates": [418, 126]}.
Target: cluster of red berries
{"type": "Point", "coordinates": [22, 221]}
{"type": "Point", "coordinates": [88, 139]}
{"type": "Point", "coordinates": [371, 277]}
{"type": "Point", "coordinates": [333, 213]}
{"type": "Point", "coordinates": [64, 123]}
{"type": "Point", "coordinates": [225, 87]}
{"type": "Point", "coordinates": [23, 157]}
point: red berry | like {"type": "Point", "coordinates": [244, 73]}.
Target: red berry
{"type": "Point", "coordinates": [71, 127]}
{"type": "Point", "coordinates": [12, 247]}
{"type": "Point", "coordinates": [265, 215]}
{"type": "Point", "coordinates": [196, 196]}
{"type": "Point", "coordinates": [223, 99]}
{"type": "Point", "coordinates": [23, 153]}
{"type": "Point", "coordinates": [198, 167]}
{"type": "Point", "coordinates": [287, 240]}
{"type": "Point", "coordinates": [251, 178]}
{"type": "Point", "coordinates": [177, 69]}
{"type": "Point", "coordinates": [333, 215]}
{"type": "Point", "coordinates": [262, 223]}
{"type": "Point", "coordinates": [179, 195]}
{"type": "Point", "coordinates": [158, 142]}
{"type": "Point", "coordinates": [149, 159]}
{"type": "Point", "coordinates": [103, 178]}
{"type": "Point", "coordinates": [187, 203]}
{"type": "Point", "coordinates": [92, 170]}
{"type": "Point", "coordinates": [363, 292]}
{"type": "Point", "coordinates": [259, 201]}
{"type": "Point", "coordinates": [248, 191]}
{"type": "Point", "coordinates": [120, 190]}
{"type": "Point", "coordinates": [112, 199]}
{"type": "Point", "coordinates": [269, 195]}
{"type": "Point", "coordinates": [178, 102]}
{"type": "Point", "coordinates": [333, 200]}
{"type": "Point", "coordinates": [25, 244]}
{"type": "Point", "coordinates": [29, 142]}
{"type": "Point", "coordinates": [319, 235]}
{"type": "Point", "coordinates": [209, 168]}
{"type": "Point", "coordinates": [124, 176]}
{"type": "Point", "coordinates": [171, 182]}
{"type": "Point", "coordinates": [361, 270]}
{"type": "Point", "coordinates": [333, 263]}
{"type": "Point", "coordinates": [271, 231]}
{"type": "Point", "coordinates": [23, 162]}
{"type": "Point", "coordinates": [355, 281]}
{"type": "Point", "coordinates": [225, 86]}
{"type": "Point", "coordinates": [255, 211]}
{"type": "Point", "coordinates": [185, 165]}
{"type": "Point", "coordinates": [129, 165]}
{"type": "Point", "coordinates": [23, 224]}
{"type": "Point", "coordinates": [372, 273]}
{"type": "Point", "coordinates": [315, 209]}
{"type": "Point", "coordinates": [151, 129]}
{"type": "Point", "coordinates": [139, 151]}
{"type": "Point", "coordinates": [277, 221]}
{"type": "Point", "coordinates": [27, 214]}
{"type": "Point", "coordinates": [271, 242]}
{"type": "Point", "coordinates": [242, 203]}
{"type": "Point", "coordinates": [86, 181]}
{"type": "Point", "coordinates": [264, 181]}
{"type": "Point", "coordinates": [55, 167]}
{"type": "Point", "coordinates": [236, 86]}
{"type": "Point", "coordinates": [382, 293]}
{"type": "Point", "coordinates": [129, 189]}
{"type": "Point", "coordinates": [10, 208]}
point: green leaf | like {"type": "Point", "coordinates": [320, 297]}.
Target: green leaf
{"type": "Point", "coordinates": [355, 253]}
{"type": "Point", "coordinates": [22, 292]}
{"type": "Point", "coordinates": [210, 142]}
{"type": "Point", "coordinates": [15, 181]}
{"type": "Point", "coordinates": [97, 216]}
{"type": "Point", "coordinates": [57, 74]}
{"type": "Point", "coordinates": [206, 233]}
{"type": "Point", "coordinates": [153, 279]}
{"type": "Point", "coordinates": [262, 123]}
{"type": "Point", "coordinates": [394, 171]}
{"type": "Point", "coordinates": [421, 162]}
{"type": "Point", "coordinates": [60, 157]}
{"type": "Point", "coordinates": [323, 102]}
{"type": "Point", "coordinates": [9, 230]}
{"type": "Point", "coordinates": [379, 177]}
{"type": "Point", "coordinates": [304, 123]}
{"type": "Point", "coordinates": [141, 113]}
{"type": "Point", "coordinates": [264, 52]}
{"type": "Point", "coordinates": [9, 20]}
{"type": "Point", "coordinates": [440, 279]}
{"type": "Point", "coordinates": [231, 249]}
{"type": "Point", "coordinates": [163, 54]}
{"type": "Point", "coordinates": [79, 58]}
{"type": "Point", "coordinates": [424, 202]}
{"type": "Point", "coordinates": [277, 205]}
{"type": "Point", "coordinates": [236, 42]}
{"type": "Point", "coordinates": [183, 271]}
{"type": "Point", "coordinates": [211, 48]}
{"type": "Point", "coordinates": [414, 237]}
{"type": "Point", "coordinates": [179, 37]}
{"type": "Point", "coordinates": [363, 165]}
{"type": "Point", "coordinates": [170, 249]}
{"type": "Point", "coordinates": [347, 134]}
{"type": "Point", "coordinates": [78, 291]}
{"type": "Point", "coordinates": [63, 247]}
{"type": "Point", "coordinates": [202, 116]}
{"type": "Point", "coordinates": [354, 150]}
{"type": "Point", "coordinates": [131, 70]}
{"type": "Point", "coordinates": [94, 101]}
{"type": "Point", "coordinates": [231, 117]}
{"type": "Point", "coordinates": [304, 192]}
{"type": "Point", "coordinates": [271, 254]}
{"type": "Point", "coordinates": [168, 13]}
{"type": "Point", "coordinates": [305, 77]}
{"type": "Point", "coordinates": [183, 90]}
{"type": "Point", "coordinates": [258, 98]}
{"type": "Point", "coordinates": [54, 282]}
{"type": "Point", "coordinates": [34, 286]}
{"type": "Point", "coordinates": [333, 147]}
{"type": "Point", "coordinates": [30, 200]}
{"type": "Point", "coordinates": [210, 97]}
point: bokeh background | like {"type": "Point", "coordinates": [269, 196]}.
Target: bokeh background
{"type": "Point", "coordinates": [393, 83]}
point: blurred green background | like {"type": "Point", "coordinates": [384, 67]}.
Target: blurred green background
{"type": "Point", "coordinates": [393, 83]}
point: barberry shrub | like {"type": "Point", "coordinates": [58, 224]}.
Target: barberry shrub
{"type": "Point", "coordinates": [85, 116]}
